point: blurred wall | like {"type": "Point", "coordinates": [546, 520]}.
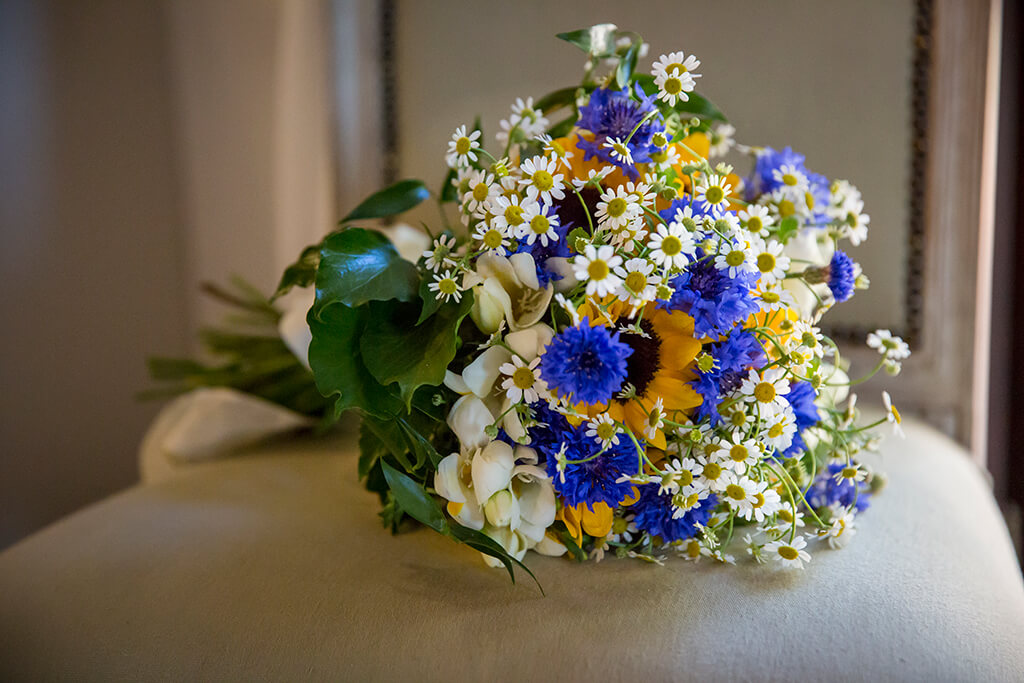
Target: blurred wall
{"type": "Point", "coordinates": [91, 257]}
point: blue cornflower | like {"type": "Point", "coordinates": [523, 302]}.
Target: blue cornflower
{"type": "Point", "coordinates": [654, 515]}
{"type": "Point", "coordinates": [697, 206]}
{"type": "Point", "coordinates": [590, 482]}
{"type": "Point", "coordinates": [801, 398]}
{"type": "Point", "coordinates": [587, 362]}
{"type": "Point", "coordinates": [826, 490]}
{"type": "Point", "coordinates": [614, 114]}
{"type": "Point", "coordinates": [762, 179]}
{"type": "Point", "coordinates": [715, 301]}
{"type": "Point", "coordinates": [840, 276]}
{"type": "Point", "coordinates": [819, 197]}
{"type": "Point", "coordinates": [734, 356]}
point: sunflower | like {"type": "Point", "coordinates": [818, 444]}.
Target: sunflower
{"type": "Point", "coordinates": [661, 366]}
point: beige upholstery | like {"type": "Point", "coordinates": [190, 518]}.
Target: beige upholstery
{"type": "Point", "coordinates": [274, 566]}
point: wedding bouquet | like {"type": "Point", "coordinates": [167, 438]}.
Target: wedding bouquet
{"type": "Point", "coordinates": [617, 351]}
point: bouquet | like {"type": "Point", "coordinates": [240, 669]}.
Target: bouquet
{"type": "Point", "coordinates": [617, 348]}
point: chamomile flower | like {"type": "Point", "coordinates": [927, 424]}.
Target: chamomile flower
{"type": "Point", "coordinates": [508, 211]}
{"type": "Point", "coordinates": [542, 180]}
{"type": "Point", "coordinates": [666, 158]}
{"type": "Point", "coordinates": [892, 415]}
{"type": "Point", "coordinates": [739, 495]}
{"type": "Point", "coordinates": [675, 63]}
{"type": "Point", "coordinates": [741, 452]}
{"type": "Point", "coordinates": [642, 191]}
{"type": "Point", "coordinates": [678, 476]}
{"type": "Point", "coordinates": [539, 223]}
{"type": "Point", "coordinates": [770, 261]}
{"type": "Point", "coordinates": [595, 266]}
{"type": "Point", "coordinates": [756, 220]}
{"type": "Point", "coordinates": [671, 246]}
{"type": "Point", "coordinates": [808, 336]}
{"type": "Point", "coordinates": [440, 255]}
{"type": "Point", "coordinates": [778, 429]}
{"type": "Point", "coordinates": [619, 151]}
{"type": "Point", "coordinates": [888, 345]}
{"type": "Point", "coordinates": [480, 187]}
{"type": "Point", "coordinates": [523, 382]}
{"type": "Point", "coordinates": [789, 554]}
{"type": "Point", "coordinates": [617, 209]}
{"type": "Point", "coordinates": [766, 502]}
{"type": "Point", "coordinates": [446, 286]}
{"type": "Point", "coordinates": [767, 390]}
{"type": "Point", "coordinates": [491, 239]}
{"type": "Point", "coordinates": [639, 282]}
{"type": "Point", "coordinates": [713, 190]}
{"type": "Point", "coordinates": [786, 519]}
{"type": "Point", "coordinates": [593, 179]}
{"type": "Point", "coordinates": [714, 475]}
{"type": "Point", "coordinates": [790, 176]}
{"type": "Point", "coordinates": [842, 528]}
{"type": "Point", "coordinates": [554, 150]}
{"type": "Point", "coordinates": [674, 86]}
{"type": "Point", "coordinates": [735, 259]}
{"type": "Point", "coordinates": [462, 147]}
{"type": "Point", "coordinates": [604, 430]}
{"type": "Point", "coordinates": [775, 298]}
{"type": "Point", "coordinates": [655, 419]}
{"type": "Point", "coordinates": [721, 140]}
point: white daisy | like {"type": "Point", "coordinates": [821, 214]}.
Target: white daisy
{"type": "Point", "coordinates": [491, 239]}
{"type": "Point", "coordinates": [791, 176]}
{"type": "Point", "coordinates": [596, 267]}
{"type": "Point", "coordinates": [639, 283]}
{"type": "Point", "coordinates": [480, 187]}
{"type": "Point", "coordinates": [676, 63]}
{"type": "Point", "coordinates": [736, 259]}
{"type": "Point", "coordinates": [593, 179]}
{"type": "Point", "coordinates": [671, 246]}
{"type": "Point", "coordinates": [554, 150]}
{"type": "Point", "coordinates": [538, 225]}
{"type": "Point", "coordinates": [756, 220]}
{"type": "Point", "coordinates": [889, 345]}
{"type": "Point", "coordinates": [775, 298]}
{"type": "Point", "coordinates": [714, 191]}
{"type": "Point", "coordinates": [541, 179]}
{"type": "Point", "coordinates": [842, 529]}
{"type": "Point", "coordinates": [778, 430]}
{"type": "Point", "coordinates": [440, 255]}
{"type": "Point", "coordinates": [618, 150]}
{"type": "Point", "coordinates": [739, 495]}
{"type": "Point", "coordinates": [790, 554]}
{"type": "Point", "coordinates": [604, 430]}
{"type": "Point", "coordinates": [523, 382]}
{"type": "Point", "coordinates": [674, 86]}
{"type": "Point", "coordinates": [766, 503]}
{"type": "Point", "coordinates": [462, 146]}
{"type": "Point", "coordinates": [771, 263]}
{"type": "Point", "coordinates": [892, 415]}
{"type": "Point", "coordinates": [617, 208]}
{"type": "Point", "coordinates": [713, 475]}
{"type": "Point", "coordinates": [767, 390]}
{"type": "Point", "coordinates": [742, 453]}
{"type": "Point", "coordinates": [721, 140]}
{"type": "Point", "coordinates": [446, 286]}
{"type": "Point", "coordinates": [678, 476]}
{"type": "Point", "coordinates": [508, 211]}
{"type": "Point", "coordinates": [655, 420]}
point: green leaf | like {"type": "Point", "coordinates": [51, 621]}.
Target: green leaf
{"type": "Point", "coordinates": [627, 64]}
{"type": "Point", "coordinates": [697, 105]}
{"type": "Point", "coordinates": [598, 40]}
{"type": "Point", "coordinates": [393, 440]}
{"type": "Point", "coordinates": [337, 363]}
{"type": "Point", "coordinates": [577, 233]}
{"type": "Point", "coordinates": [302, 273]}
{"type": "Point", "coordinates": [391, 201]}
{"type": "Point", "coordinates": [557, 99]}
{"type": "Point", "coordinates": [430, 301]}
{"type": "Point", "coordinates": [420, 445]}
{"type": "Point", "coordinates": [371, 448]}
{"type": "Point", "coordinates": [395, 350]}
{"type": "Point", "coordinates": [358, 265]}
{"type": "Point", "coordinates": [787, 228]}
{"type": "Point", "coordinates": [414, 500]}
{"type": "Point", "coordinates": [448, 193]}
{"type": "Point", "coordinates": [477, 540]}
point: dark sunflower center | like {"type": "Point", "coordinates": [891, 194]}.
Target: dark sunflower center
{"type": "Point", "coordinates": [642, 365]}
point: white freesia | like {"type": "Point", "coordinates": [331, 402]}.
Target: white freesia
{"type": "Point", "coordinates": [507, 288]}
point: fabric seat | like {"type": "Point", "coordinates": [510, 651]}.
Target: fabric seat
{"type": "Point", "coordinates": [275, 566]}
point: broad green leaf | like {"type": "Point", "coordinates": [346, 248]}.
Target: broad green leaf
{"type": "Point", "coordinates": [413, 499]}
{"type": "Point", "coordinates": [358, 265]}
{"type": "Point", "coordinates": [557, 99]}
{"type": "Point", "coordinates": [302, 273]}
{"type": "Point", "coordinates": [483, 543]}
{"type": "Point", "coordinates": [395, 350]}
{"type": "Point", "coordinates": [337, 363]}
{"type": "Point", "coordinates": [430, 301]}
{"type": "Point", "coordinates": [598, 40]}
{"type": "Point", "coordinates": [787, 228]}
{"type": "Point", "coordinates": [390, 201]}
{"type": "Point", "coordinates": [420, 445]}
{"type": "Point", "coordinates": [627, 64]}
{"type": "Point", "coordinates": [393, 439]}
{"type": "Point", "coordinates": [371, 448]}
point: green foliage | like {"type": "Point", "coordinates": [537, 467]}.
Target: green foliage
{"type": "Point", "coordinates": [598, 40]}
{"type": "Point", "coordinates": [396, 350]}
{"type": "Point", "coordinates": [697, 105]}
{"type": "Point", "coordinates": [627, 64]}
{"type": "Point", "coordinates": [787, 228]}
{"type": "Point", "coordinates": [301, 273]}
{"type": "Point", "coordinates": [359, 265]}
{"type": "Point", "coordinates": [391, 201]}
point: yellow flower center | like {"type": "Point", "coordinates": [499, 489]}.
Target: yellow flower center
{"type": "Point", "coordinates": [775, 431]}
{"type": "Point", "coordinates": [735, 258]}
{"type": "Point", "coordinates": [685, 477]}
{"type": "Point", "coordinates": [540, 224]}
{"type": "Point", "coordinates": [481, 191]}
{"type": "Point", "coordinates": [543, 181]}
{"type": "Point", "coordinates": [758, 500]}
{"type": "Point", "coordinates": [764, 392]}
{"type": "Point", "coordinates": [896, 415]}
{"type": "Point", "coordinates": [673, 86]}
{"type": "Point", "coordinates": [789, 179]}
{"type": "Point", "coordinates": [735, 491]}
{"type": "Point", "coordinates": [786, 208]}
{"type": "Point", "coordinates": [447, 286]}
{"type": "Point", "coordinates": [809, 198]}
{"type": "Point", "coordinates": [714, 195]}
{"type": "Point", "coordinates": [462, 145]}
{"type": "Point", "coordinates": [712, 470]}
{"type": "Point", "coordinates": [605, 431]}
{"type": "Point", "coordinates": [523, 378]}
{"type": "Point", "coordinates": [557, 149]}
{"type": "Point", "coordinates": [514, 214]}
{"type": "Point", "coordinates": [597, 270]}
{"type": "Point", "coordinates": [788, 552]}
{"type": "Point", "coordinates": [671, 245]}
{"type": "Point", "coordinates": [849, 472]}
{"type": "Point", "coordinates": [693, 549]}
{"type": "Point", "coordinates": [636, 281]}
{"type": "Point", "coordinates": [492, 239]}
{"type": "Point", "coordinates": [754, 224]}
{"type": "Point", "coordinates": [617, 207]}
{"type": "Point", "coordinates": [738, 453]}
{"type": "Point", "coordinates": [677, 67]}
{"type": "Point", "coordinates": [765, 262]}
{"type": "Point", "coordinates": [771, 297]}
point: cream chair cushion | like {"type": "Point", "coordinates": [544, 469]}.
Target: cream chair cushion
{"type": "Point", "coordinates": [274, 566]}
